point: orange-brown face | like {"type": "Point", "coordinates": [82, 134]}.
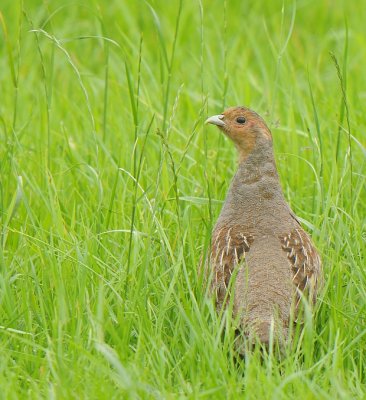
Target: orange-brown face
{"type": "Point", "coordinates": [244, 127]}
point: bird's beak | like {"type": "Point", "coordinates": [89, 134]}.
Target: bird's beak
{"type": "Point", "coordinates": [215, 120]}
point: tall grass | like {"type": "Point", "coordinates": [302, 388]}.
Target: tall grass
{"type": "Point", "coordinates": [110, 186]}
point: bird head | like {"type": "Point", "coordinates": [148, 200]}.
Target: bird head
{"type": "Point", "coordinates": [245, 128]}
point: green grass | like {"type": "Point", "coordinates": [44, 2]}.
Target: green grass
{"type": "Point", "coordinates": [110, 186]}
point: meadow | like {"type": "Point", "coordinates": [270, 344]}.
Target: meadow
{"type": "Point", "coordinates": [110, 184]}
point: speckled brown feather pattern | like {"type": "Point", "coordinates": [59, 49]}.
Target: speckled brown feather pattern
{"type": "Point", "coordinates": [304, 261]}
{"type": "Point", "coordinates": [259, 236]}
{"type": "Point", "coordinates": [228, 250]}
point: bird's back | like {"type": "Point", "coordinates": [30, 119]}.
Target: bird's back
{"type": "Point", "coordinates": [261, 256]}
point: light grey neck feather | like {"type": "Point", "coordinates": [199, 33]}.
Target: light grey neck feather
{"type": "Point", "coordinates": [255, 199]}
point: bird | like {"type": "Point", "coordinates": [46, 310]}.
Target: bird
{"type": "Point", "coordinates": [261, 259]}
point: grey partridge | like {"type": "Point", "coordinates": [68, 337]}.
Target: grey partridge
{"type": "Point", "coordinates": [259, 250]}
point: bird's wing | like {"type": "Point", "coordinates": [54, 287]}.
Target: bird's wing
{"type": "Point", "coordinates": [304, 261]}
{"type": "Point", "coordinates": [228, 250]}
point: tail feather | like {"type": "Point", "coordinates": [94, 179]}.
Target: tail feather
{"type": "Point", "coordinates": [263, 332]}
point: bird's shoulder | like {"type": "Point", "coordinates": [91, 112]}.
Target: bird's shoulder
{"type": "Point", "coordinates": [303, 258]}
{"type": "Point", "coordinates": [230, 243]}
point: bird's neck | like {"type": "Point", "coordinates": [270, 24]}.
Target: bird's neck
{"type": "Point", "coordinates": [255, 191]}
{"type": "Point", "coordinates": [258, 164]}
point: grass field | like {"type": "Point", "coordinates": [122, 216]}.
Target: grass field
{"type": "Point", "coordinates": [110, 186]}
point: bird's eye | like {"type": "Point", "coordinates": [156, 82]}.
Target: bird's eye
{"type": "Point", "coordinates": [240, 120]}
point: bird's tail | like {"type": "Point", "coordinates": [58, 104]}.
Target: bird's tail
{"type": "Point", "coordinates": [267, 332]}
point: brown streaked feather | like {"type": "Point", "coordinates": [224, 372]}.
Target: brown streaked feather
{"type": "Point", "coordinates": [228, 250]}
{"type": "Point", "coordinates": [304, 261]}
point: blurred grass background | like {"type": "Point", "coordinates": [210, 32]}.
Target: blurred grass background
{"type": "Point", "coordinates": [110, 186]}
